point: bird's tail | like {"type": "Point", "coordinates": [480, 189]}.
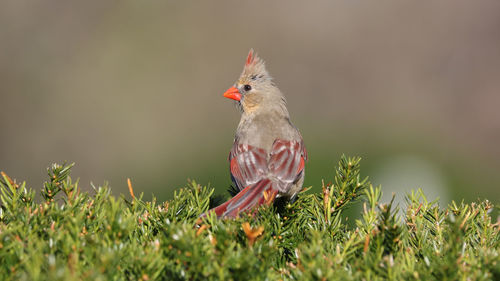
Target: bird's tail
{"type": "Point", "coordinates": [261, 192]}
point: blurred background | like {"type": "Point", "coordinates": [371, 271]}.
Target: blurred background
{"type": "Point", "coordinates": [134, 89]}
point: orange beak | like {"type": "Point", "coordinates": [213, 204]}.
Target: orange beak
{"type": "Point", "coordinates": [233, 93]}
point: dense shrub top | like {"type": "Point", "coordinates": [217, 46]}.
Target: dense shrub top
{"type": "Point", "coordinates": [74, 235]}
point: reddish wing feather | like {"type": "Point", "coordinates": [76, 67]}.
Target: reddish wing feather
{"type": "Point", "coordinates": [250, 169]}
{"type": "Point", "coordinates": [286, 163]}
{"type": "Point", "coordinates": [248, 164]}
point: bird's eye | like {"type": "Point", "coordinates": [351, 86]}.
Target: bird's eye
{"type": "Point", "coordinates": [247, 87]}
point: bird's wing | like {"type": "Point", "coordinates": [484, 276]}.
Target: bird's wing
{"type": "Point", "coordinates": [256, 172]}
{"type": "Point", "coordinates": [247, 164]}
{"type": "Point", "coordinates": [286, 163]}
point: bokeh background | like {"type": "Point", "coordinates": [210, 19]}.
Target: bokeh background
{"type": "Point", "coordinates": [134, 89]}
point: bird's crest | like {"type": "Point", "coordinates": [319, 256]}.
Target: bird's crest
{"type": "Point", "coordinates": [255, 66]}
{"type": "Point", "coordinates": [251, 58]}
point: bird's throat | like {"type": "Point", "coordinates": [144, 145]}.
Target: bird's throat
{"type": "Point", "coordinates": [251, 103]}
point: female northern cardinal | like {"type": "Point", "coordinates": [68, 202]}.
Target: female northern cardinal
{"type": "Point", "coordinates": [268, 154]}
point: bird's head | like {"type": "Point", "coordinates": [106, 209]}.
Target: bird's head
{"type": "Point", "coordinates": [254, 90]}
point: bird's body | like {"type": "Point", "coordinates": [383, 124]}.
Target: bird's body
{"type": "Point", "coordinates": [268, 155]}
{"type": "Point", "coordinates": [263, 129]}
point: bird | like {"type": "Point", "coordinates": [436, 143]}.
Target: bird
{"type": "Point", "coordinates": [267, 159]}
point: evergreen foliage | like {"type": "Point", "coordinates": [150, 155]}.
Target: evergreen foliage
{"type": "Point", "coordinates": [73, 235]}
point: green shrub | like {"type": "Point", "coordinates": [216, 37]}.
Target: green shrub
{"type": "Point", "coordinates": [73, 235]}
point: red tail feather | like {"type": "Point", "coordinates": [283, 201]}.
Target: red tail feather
{"type": "Point", "coordinates": [245, 200]}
